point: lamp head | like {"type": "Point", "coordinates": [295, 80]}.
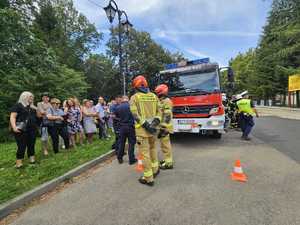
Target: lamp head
{"type": "Point", "coordinates": [110, 12]}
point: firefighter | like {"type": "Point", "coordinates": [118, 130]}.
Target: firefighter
{"type": "Point", "coordinates": [166, 126]}
{"type": "Point", "coordinates": [247, 110]}
{"type": "Point", "coordinates": [144, 106]}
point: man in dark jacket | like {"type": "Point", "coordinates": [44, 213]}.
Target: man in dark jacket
{"type": "Point", "coordinates": [127, 131]}
{"type": "Point", "coordinates": [116, 122]}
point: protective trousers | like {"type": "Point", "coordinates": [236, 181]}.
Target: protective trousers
{"type": "Point", "coordinates": [165, 145]}
{"type": "Point", "coordinates": [247, 123]}
{"type": "Point", "coordinates": [146, 147]}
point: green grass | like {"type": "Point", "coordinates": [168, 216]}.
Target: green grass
{"type": "Point", "coordinates": [14, 182]}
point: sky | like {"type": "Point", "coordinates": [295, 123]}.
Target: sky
{"type": "Point", "coordinates": [218, 29]}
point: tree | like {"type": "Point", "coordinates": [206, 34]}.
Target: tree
{"type": "Point", "coordinates": [244, 70]}
{"type": "Point", "coordinates": [101, 76]}
{"type": "Point", "coordinates": [278, 53]}
{"type": "Point", "coordinates": [67, 31]}
{"type": "Point", "coordinates": [4, 4]}
{"type": "Point", "coordinates": [142, 54]}
{"type": "Point", "coordinates": [26, 63]}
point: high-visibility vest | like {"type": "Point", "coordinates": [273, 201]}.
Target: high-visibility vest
{"type": "Point", "coordinates": [244, 106]}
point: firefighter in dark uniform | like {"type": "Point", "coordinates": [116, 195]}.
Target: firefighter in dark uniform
{"type": "Point", "coordinates": [166, 126]}
{"type": "Point", "coordinates": [144, 106]}
{"type": "Point", "coordinates": [116, 123]}
{"type": "Point", "coordinates": [247, 110]}
{"type": "Point", "coordinates": [127, 131]}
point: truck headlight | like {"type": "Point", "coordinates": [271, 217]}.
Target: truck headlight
{"type": "Point", "coordinates": [215, 123]}
{"type": "Point", "coordinates": [213, 110]}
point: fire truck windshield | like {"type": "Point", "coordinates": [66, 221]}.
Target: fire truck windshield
{"type": "Point", "coordinates": [192, 83]}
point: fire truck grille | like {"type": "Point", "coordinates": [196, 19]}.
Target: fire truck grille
{"type": "Point", "coordinates": [199, 109]}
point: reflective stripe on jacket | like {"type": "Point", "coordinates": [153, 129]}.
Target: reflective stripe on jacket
{"type": "Point", "coordinates": [144, 107]}
{"type": "Point", "coordinates": [167, 107]}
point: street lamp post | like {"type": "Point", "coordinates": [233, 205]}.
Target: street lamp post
{"type": "Point", "coordinates": [111, 11]}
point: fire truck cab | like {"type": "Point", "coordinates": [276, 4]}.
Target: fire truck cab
{"type": "Point", "coordinates": [194, 88]}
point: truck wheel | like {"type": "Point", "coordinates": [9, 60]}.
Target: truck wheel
{"type": "Point", "coordinates": [216, 135]}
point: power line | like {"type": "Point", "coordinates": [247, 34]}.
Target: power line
{"type": "Point", "coordinates": [95, 3]}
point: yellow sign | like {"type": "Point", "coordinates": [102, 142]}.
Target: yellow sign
{"type": "Point", "coordinates": [294, 83]}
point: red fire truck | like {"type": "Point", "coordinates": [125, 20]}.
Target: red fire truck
{"type": "Point", "coordinates": [194, 88]}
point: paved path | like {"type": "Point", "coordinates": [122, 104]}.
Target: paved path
{"type": "Point", "coordinates": [282, 134]}
{"type": "Point", "coordinates": [198, 191]}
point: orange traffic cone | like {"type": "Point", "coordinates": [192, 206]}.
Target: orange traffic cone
{"type": "Point", "coordinates": [140, 167]}
{"type": "Point", "coordinates": [238, 174]}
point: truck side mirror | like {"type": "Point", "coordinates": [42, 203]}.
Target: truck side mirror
{"type": "Point", "coordinates": [230, 75]}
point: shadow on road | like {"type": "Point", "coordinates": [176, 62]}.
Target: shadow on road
{"type": "Point", "coordinates": [190, 138]}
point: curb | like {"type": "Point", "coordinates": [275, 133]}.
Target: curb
{"type": "Point", "coordinates": [277, 107]}
{"type": "Point", "coordinates": [18, 202]}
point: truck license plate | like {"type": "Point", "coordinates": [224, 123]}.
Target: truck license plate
{"type": "Point", "coordinates": [186, 121]}
{"type": "Point", "coordinates": [185, 127]}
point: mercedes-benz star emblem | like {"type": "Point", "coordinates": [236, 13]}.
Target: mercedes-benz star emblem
{"type": "Point", "coordinates": [186, 109]}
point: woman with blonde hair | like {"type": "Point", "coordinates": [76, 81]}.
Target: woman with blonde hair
{"type": "Point", "coordinates": [23, 121]}
{"type": "Point", "coordinates": [89, 115]}
{"type": "Point", "coordinates": [80, 122]}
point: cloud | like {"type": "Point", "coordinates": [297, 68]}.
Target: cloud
{"type": "Point", "coordinates": [167, 33]}
{"type": "Point", "coordinates": [196, 53]}
{"type": "Point", "coordinates": [196, 27]}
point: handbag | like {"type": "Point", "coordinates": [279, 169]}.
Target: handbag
{"type": "Point", "coordinates": [22, 126]}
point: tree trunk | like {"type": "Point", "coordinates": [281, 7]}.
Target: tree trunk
{"type": "Point", "coordinates": [284, 100]}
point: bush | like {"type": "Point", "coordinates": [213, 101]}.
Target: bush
{"type": "Point", "coordinates": [6, 135]}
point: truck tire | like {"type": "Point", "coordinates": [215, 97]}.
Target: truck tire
{"type": "Point", "coordinates": [216, 135]}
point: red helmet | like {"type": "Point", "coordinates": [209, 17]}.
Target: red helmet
{"type": "Point", "coordinates": [139, 81]}
{"type": "Point", "coordinates": [162, 90]}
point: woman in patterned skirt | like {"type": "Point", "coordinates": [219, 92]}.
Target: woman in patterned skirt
{"type": "Point", "coordinates": [74, 121]}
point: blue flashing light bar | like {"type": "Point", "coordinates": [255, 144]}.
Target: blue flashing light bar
{"type": "Point", "coordinates": [188, 63]}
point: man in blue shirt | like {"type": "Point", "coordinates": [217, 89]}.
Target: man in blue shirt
{"type": "Point", "coordinates": [127, 131]}
{"type": "Point", "coordinates": [101, 118]}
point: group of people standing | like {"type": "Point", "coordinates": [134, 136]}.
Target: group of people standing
{"type": "Point", "coordinates": [67, 121]}
{"type": "Point", "coordinates": [141, 121]}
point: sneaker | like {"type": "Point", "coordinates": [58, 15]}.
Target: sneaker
{"type": "Point", "coordinates": [19, 166]}
{"type": "Point", "coordinates": [32, 160]}
{"type": "Point", "coordinates": [120, 161]}
{"type": "Point", "coordinates": [143, 181]}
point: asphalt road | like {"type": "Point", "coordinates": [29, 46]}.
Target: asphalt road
{"type": "Point", "coordinates": [282, 134]}
{"type": "Point", "coordinates": [198, 191]}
